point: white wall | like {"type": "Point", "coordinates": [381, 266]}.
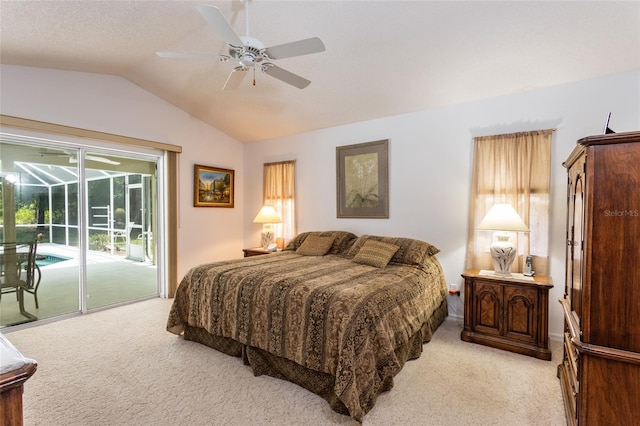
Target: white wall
{"type": "Point", "coordinates": [112, 104]}
{"type": "Point", "coordinates": [430, 157]}
{"type": "Point", "coordinates": [430, 154]}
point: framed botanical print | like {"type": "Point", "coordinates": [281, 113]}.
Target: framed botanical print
{"type": "Point", "coordinates": [363, 180]}
{"type": "Point", "coordinates": [213, 187]}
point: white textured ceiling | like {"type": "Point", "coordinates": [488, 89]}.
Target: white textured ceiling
{"type": "Point", "coordinates": [382, 58]}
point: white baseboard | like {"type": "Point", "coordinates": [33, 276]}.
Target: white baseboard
{"type": "Point", "coordinates": [454, 317]}
{"type": "Point", "coordinates": [556, 337]}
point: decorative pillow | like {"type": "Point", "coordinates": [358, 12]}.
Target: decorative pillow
{"type": "Point", "coordinates": [315, 245]}
{"type": "Point", "coordinates": [297, 240]}
{"type": "Point", "coordinates": [341, 244]}
{"type": "Point", "coordinates": [411, 252]}
{"type": "Point", "coordinates": [375, 253]}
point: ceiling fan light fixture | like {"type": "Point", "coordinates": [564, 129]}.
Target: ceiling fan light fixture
{"type": "Point", "coordinates": [247, 61]}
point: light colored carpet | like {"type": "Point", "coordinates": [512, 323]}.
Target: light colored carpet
{"type": "Point", "coordinates": [120, 367]}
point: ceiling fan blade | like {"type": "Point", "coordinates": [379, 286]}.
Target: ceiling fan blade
{"type": "Point", "coordinates": [284, 75]}
{"type": "Point", "coordinates": [235, 78]}
{"type": "Point", "coordinates": [215, 19]}
{"type": "Point", "coordinates": [296, 48]}
{"type": "Point", "coordinates": [101, 160]}
{"type": "Point", "coordinates": [74, 160]}
{"type": "Point", "coordinates": [195, 55]}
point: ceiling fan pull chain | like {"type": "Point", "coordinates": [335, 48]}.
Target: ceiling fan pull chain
{"type": "Point", "coordinates": [254, 76]}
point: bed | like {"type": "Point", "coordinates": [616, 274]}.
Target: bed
{"type": "Point", "coordinates": [335, 313]}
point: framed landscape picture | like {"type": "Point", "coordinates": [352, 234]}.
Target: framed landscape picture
{"type": "Point", "coordinates": [363, 180]}
{"type": "Point", "coordinates": [213, 187]}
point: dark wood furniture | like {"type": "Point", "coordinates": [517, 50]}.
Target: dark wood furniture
{"type": "Point", "coordinates": [600, 370]}
{"type": "Point", "coordinates": [509, 313]}
{"type": "Point", "coordinates": [14, 371]}
{"type": "Point", "coordinates": [255, 251]}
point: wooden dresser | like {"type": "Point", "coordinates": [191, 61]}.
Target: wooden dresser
{"type": "Point", "coordinates": [14, 371]}
{"type": "Point", "coordinates": [600, 370]}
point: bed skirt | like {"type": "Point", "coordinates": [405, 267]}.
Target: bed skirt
{"type": "Point", "coordinates": [320, 383]}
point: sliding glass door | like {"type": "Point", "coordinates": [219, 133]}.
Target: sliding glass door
{"type": "Point", "coordinates": [40, 205]}
{"type": "Point", "coordinates": [93, 214]}
{"type": "Point", "coordinates": [118, 268]}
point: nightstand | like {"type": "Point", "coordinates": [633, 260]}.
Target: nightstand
{"type": "Point", "coordinates": [255, 251]}
{"type": "Point", "coordinates": [510, 313]}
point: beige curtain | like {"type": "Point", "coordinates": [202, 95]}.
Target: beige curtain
{"type": "Point", "coordinates": [515, 169]}
{"type": "Point", "coordinates": [279, 192]}
{"type": "Point", "coordinates": [172, 212]}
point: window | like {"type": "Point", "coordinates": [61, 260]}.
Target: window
{"type": "Point", "coordinates": [279, 192]}
{"type": "Point", "coordinates": [515, 169]}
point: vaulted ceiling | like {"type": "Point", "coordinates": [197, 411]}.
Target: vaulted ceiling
{"type": "Point", "coordinates": [382, 58]}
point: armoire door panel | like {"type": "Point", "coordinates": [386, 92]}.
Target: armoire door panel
{"type": "Point", "coordinates": [615, 269]}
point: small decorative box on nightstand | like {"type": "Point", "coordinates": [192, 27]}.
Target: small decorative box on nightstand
{"type": "Point", "coordinates": [510, 313]}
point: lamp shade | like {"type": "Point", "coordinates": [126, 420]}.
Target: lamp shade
{"type": "Point", "coordinates": [502, 217]}
{"type": "Point", "coordinates": [267, 214]}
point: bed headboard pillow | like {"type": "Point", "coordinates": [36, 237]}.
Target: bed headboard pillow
{"type": "Point", "coordinates": [342, 240]}
{"type": "Point", "coordinates": [410, 251]}
{"type": "Point", "coordinates": [315, 245]}
{"type": "Point", "coordinates": [375, 253]}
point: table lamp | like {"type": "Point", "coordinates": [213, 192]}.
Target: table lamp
{"type": "Point", "coordinates": [502, 218]}
{"type": "Point", "coordinates": [267, 216]}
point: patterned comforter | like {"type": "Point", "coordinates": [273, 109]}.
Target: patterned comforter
{"type": "Point", "coordinates": [325, 313]}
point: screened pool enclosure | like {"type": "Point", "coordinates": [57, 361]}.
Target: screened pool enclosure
{"type": "Point", "coordinates": [93, 215]}
{"type": "Point", "coordinates": [46, 203]}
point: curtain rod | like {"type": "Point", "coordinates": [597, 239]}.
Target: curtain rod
{"type": "Point", "coordinates": [530, 132]}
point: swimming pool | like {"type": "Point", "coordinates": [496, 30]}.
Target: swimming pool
{"type": "Point", "coordinates": [49, 259]}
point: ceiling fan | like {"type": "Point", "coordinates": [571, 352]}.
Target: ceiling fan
{"type": "Point", "coordinates": [73, 159]}
{"type": "Point", "coordinates": [250, 52]}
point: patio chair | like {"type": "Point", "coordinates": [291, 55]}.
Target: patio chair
{"type": "Point", "coordinates": [18, 271]}
{"type": "Point", "coordinates": [122, 233]}
{"type": "Point", "coordinates": [33, 274]}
